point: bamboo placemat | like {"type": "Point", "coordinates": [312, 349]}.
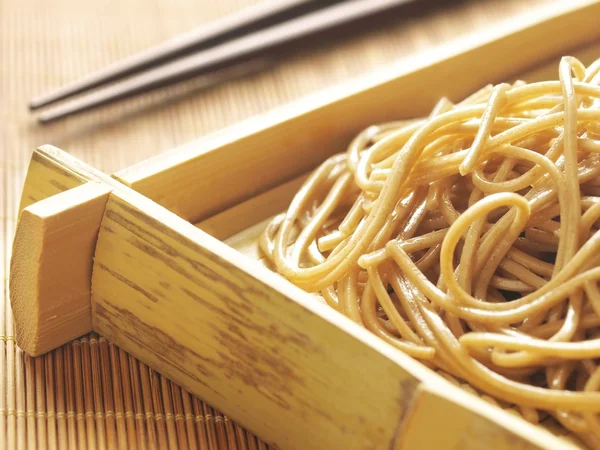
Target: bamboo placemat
{"type": "Point", "coordinates": [89, 393]}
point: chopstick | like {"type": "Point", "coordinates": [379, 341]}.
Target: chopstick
{"type": "Point", "coordinates": [250, 19]}
{"type": "Point", "coordinates": [224, 54]}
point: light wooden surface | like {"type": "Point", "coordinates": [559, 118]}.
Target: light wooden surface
{"type": "Point", "coordinates": [240, 344]}
{"type": "Point", "coordinates": [52, 267]}
{"type": "Point", "coordinates": [262, 350]}
{"type": "Point", "coordinates": [440, 417]}
{"type": "Point", "coordinates": [236, 334]}
{"type": "Point", "coordinates": [257, 152]}
{"type": "Point", "coordinates": [242, 216]}
{"type": "Point", "coordinates": [70, 398]}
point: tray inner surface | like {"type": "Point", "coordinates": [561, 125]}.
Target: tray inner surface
{"type": "Point", "coordinates": [241, 225]}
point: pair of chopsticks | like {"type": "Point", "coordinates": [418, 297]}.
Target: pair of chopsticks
{"type": "Point", "coordinates": [250, 33]}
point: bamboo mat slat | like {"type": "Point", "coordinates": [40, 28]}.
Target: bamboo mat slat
{"type": "Point", "coordinates": [89, 394]}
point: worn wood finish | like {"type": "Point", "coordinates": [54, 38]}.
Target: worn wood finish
{"type": "Point", "coordinates": [236, 334]}
{"type": "Point", "coordinates": [242, 337]}
{"type": "Point", "coordinates": [60, 213]}
{"type": "Point", "coordinates": [52, 266]}
{"type": "Point", "coordinates": [256, 154]}
{"type": "Point", "coordinates": [59, 216]}
{"type": "Point", "coordinates": [284, 371]}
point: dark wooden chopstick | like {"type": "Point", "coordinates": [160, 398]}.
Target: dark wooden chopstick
{"type": "Point", "coordinates": [262, 15]}
{"type": "Point", "coordinates": [224, 54]}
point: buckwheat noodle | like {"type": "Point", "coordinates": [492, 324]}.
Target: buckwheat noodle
{"type": "Point", "coordinates": [470, 240]}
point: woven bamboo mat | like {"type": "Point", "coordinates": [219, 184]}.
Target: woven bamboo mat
{"type": "Point", "coordinates": [90, 394]}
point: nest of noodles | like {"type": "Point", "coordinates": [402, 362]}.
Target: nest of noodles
{"type": "Point", "coordinates": [470, 240]}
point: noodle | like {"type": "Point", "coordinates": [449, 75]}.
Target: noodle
{"type": "Point", "coordinates": [470, 240]}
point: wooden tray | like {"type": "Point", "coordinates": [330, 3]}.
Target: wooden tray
{"type": "Point", "coordinates": [161, 259]}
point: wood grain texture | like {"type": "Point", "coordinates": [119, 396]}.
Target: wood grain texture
{"type": "Point", "coordinates": [44, 402]}
{"type": "Point", "coordinates": [233, 335]}
{"type": "Point", "coordinates": [238, 335]}
{"type": "Point", "coordinates": [51, 302]}
{"type": "Point", "coordinates": [51, 267]}
{"type": "Point", "coordinates": [256, 154]}
{"type": "Point", "coordinates": [52, 255]}
{"type": "Point", "coordinates": [52, 171]}
{"type": "Point", "coordinates": [47, 177]}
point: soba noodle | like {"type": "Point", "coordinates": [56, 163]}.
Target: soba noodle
{"type": "Point", "coordinates": [470, 240]}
